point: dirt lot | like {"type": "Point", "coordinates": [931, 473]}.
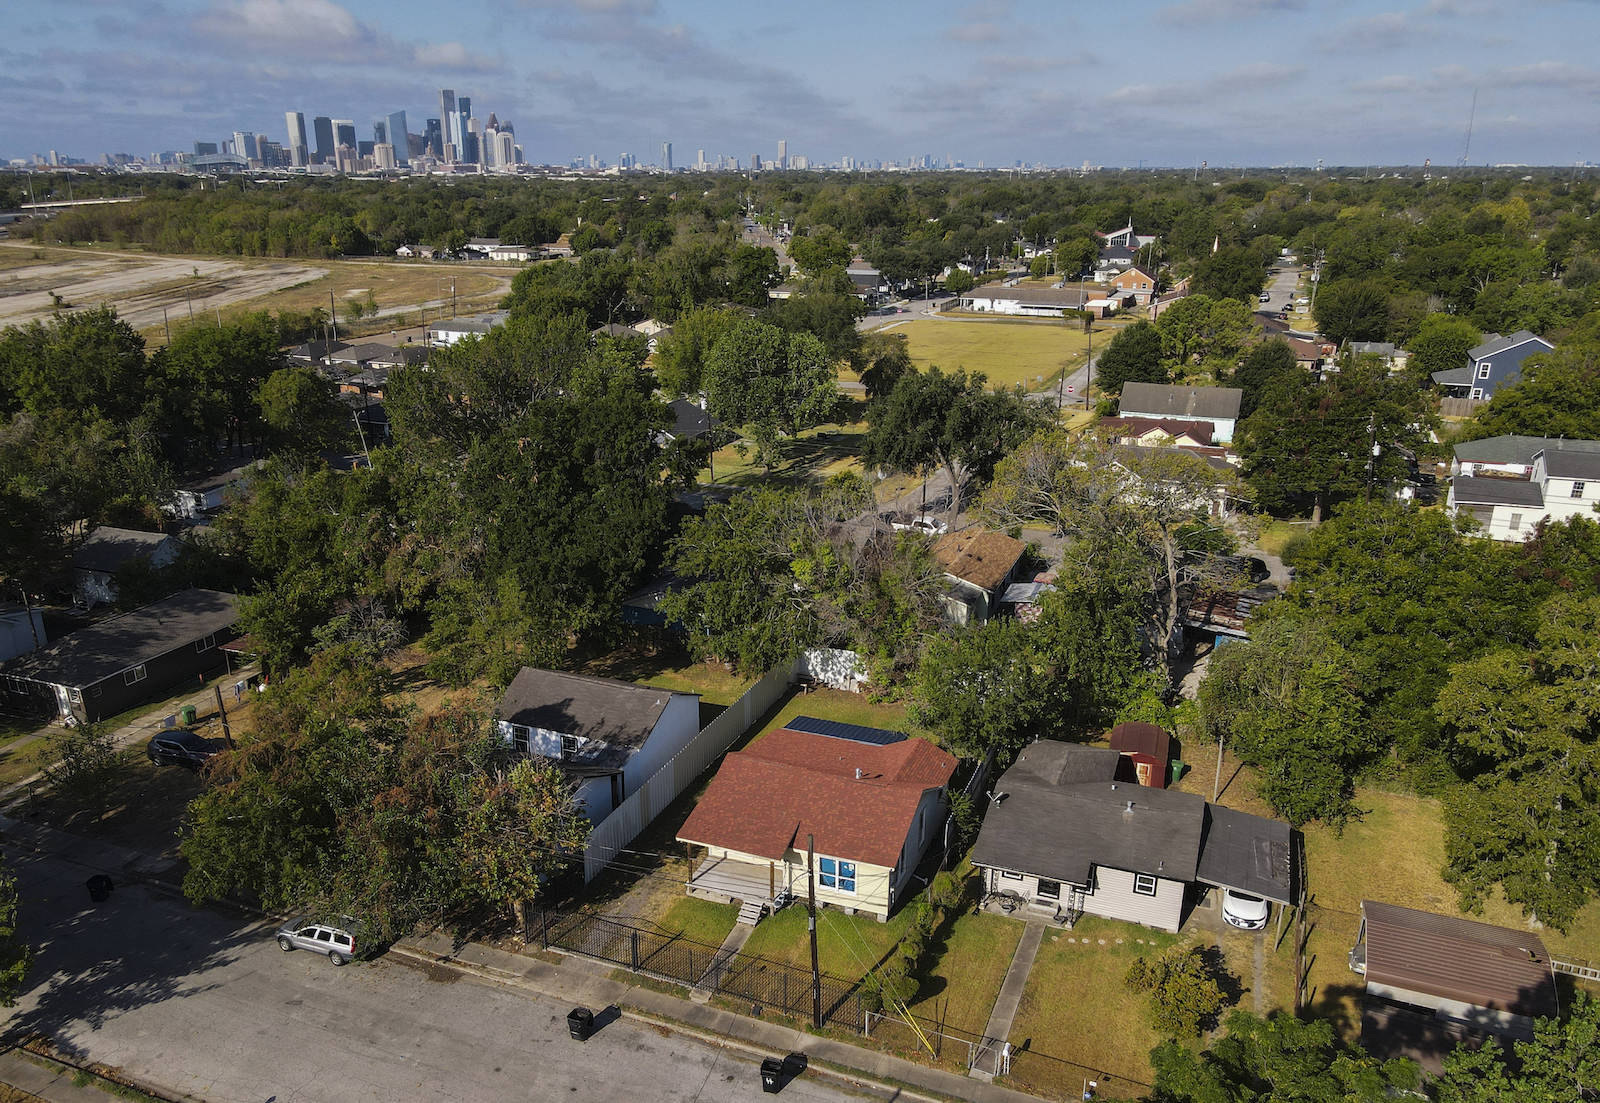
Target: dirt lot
{"type": "Point", "coordinates": [143, 286]}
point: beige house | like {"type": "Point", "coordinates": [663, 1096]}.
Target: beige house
{"type": "Point", "coordinates": [869, 801]}
{"type": "Point", "coordinates": [978, 564]}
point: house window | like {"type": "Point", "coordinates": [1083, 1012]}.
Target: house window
{"type": "Point", "coordinates": [1049, 890]}
{"type": "Point", "coordinates": [837, 874]}
{"type": "Point", "coordinates": [136, 674]}
{"type": "Point", "coordinates": [75, 695]}
{"type": "Point", "coordinates": [1516, 522]}
{"type": "Point", "coordinates": [519, 739]}
{"type": "Point", "coordinates": [1144, 884]}
{"type": "Point", "coordinates": [1577, 489]}
{"type": "Point", "coordinates": [569, 746]}
{"type": "Point", "coordinates": [206, 644]}
{"type": "Point", "coordinates": [1483, 370]}
{"type": "Point", "coordinates": [1477, 392]}
{"type": "Point", "coordinates": [1007, 875]}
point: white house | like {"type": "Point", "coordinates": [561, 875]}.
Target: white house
{"type": "Point", "coordinates": [1162, 401]}
{"type": "Point", "coordinates": [608, 736]}
{"type": "Point", "coordinates": [1041, 302]}
{"type": "Point", "coordinates": [450, 330]}
{"type": "Point", "coordinates": [107, 550]}
{"type": "Point", "coordinates": [1562, 483]}
{"type": "Point", "coordinates": [202, 496]}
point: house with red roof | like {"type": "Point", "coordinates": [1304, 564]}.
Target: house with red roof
{"type": "Point", "coordinates": [868, 801]}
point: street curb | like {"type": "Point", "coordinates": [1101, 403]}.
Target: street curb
{"type": "Point", "coordinates": [99, 1081]}
{"type": "Point", "coordinates": [848, 1077]}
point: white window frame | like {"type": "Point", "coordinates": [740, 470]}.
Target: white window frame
{"type": "Point", "coordinates": [1483, 369]}
{"type": "Point", "coordinates": [1477, 392]}
{"type": "Point", "coordinates": [521, 740]}
{"type": "Point", "coordinates": [1008, 875]}
{"type": "Point", "coordinates": [134, 675]}
{"type": "Point", "coordinates": [1577, 488]}
{"type": "Point", "coordinates": [1043, 895]}
{"type": "Point", "coordinates": [1515, 524]}
{"type": "Point", "coordinates": [569, 746]}
{"type": "Point", "coordinates": [832, 875]}
{"type": "Point", "coordinates": [1142, 879]}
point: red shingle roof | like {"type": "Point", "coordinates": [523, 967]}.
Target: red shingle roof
{"type": "Point", "coordinates": [770, 796]}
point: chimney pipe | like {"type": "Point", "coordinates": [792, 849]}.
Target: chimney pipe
{"type": "Point", "coordinates": [1130, 806]}
{"type": "Point", "coordinates": [858, 773]}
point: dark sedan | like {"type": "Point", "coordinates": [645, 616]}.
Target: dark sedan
{"type": "Point", "coordinates": [182, 748]}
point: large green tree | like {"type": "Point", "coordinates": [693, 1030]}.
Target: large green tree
{"type": "Point", "coordinates": [769, 382]}
{"type": "Point", "coordinates": [1352, 310]}
{"type": "Point", "coordinates": [984, 691]}
{"type": "Point", "coordinates": [1135, 355]}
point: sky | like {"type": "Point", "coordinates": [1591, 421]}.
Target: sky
{"type": "Point", "coordinates": [1164, 82]}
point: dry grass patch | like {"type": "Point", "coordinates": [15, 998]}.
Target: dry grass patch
{"type": "Point", "coordinates": [1008, 353]}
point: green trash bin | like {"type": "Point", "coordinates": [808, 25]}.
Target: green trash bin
{"type": "Point", "coordinates": [187, 714]}
{"type": "Point", "coordinates": [1175, 770]}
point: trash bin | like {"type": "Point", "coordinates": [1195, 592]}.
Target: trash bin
{"type": "Point", "coordinates": [1175, 771]}
{"type": "Point", "coordinates": [100, 887]}
{"type": "Point", "coordinates": [580, 1022]}
{"type": "Point", "coordinates": [771, 1074]}
{"type": "Point", "coordinates": [187, 714]}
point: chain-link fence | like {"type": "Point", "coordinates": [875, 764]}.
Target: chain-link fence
{"type": "Point", "coordinates": [768, 985]}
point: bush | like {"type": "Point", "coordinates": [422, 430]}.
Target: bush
{"type": "Point", "coordinates": [1185, 992]}
{"type": "Point", "coordinates": [82, 763]}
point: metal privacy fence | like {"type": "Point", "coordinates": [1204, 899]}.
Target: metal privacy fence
{"type": "Point", "coordinates": [767, 985]}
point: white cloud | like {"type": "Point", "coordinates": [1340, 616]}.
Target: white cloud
{"type": "Point", "coordinates": [320, 22]}
{"type": "Point", "coordinates": [1215, 11]}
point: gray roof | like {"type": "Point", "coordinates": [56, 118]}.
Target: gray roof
{"type": "Point", "coordinates": [479, 323]}
{"type": "Point", "coordinates": [1374, 348]}
{"type": "Point", "coordinates": [1453, 377]}
{"type": "Point", "coordinates": [1166, 400]}
{"type": "Point", "coordinates": [1511, 449]}
{"type": "Point", "coordinates": [360, 354]}
{"type": "Point", "coordinates": [1057, 813]}
{"type": "Point", "coordinates": [617, 717]}
{"type": "Point", "coordinates": [1062, 297]}
{"type": "Point", "coordinates": [107, 548]}
{"type": "Point", "coordinates": [689, 420]}
{"type": "Point", "coordinates": [220, 478]}
{"type": "Point", "coordinates": [102, 650]}
{"type": "Point", "coordinates": [1496, 344]}
{"type": "Point", "coordinates": [1472, 490]}
{"type": "Point", "coordinates": [1571, 465]}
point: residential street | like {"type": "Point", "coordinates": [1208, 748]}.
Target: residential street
{"type": "Point", "coordinates": [205, 1004]}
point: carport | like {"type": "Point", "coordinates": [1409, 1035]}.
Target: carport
{"type": "Point", "coordinates": [1250, 854]}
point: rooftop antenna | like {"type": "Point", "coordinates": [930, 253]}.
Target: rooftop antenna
{"type": "Point", "coordinates": [1467, 146]}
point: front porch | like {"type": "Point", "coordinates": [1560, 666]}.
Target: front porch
{"type": "Point", "coordinates": [756, 885]}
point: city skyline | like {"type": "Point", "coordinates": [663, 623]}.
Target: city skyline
{"type": "Point", "coordinates": [1257, 82]}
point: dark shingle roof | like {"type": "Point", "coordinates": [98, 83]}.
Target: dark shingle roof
{"type": "Point", "coordinates": [1471, 490]}
{"type": "Point", "coordinates": [112, 646]}
{"type": "Point", "coordinates": [1571, 465]}
{"type": "Point", "coordinates": [1497, 345]}
{"type": "Point", "coordinates": [1166, 400]}
{"type": "Point", "coordinates": [1511, 448]}
{"type": "Point", "coordinates": [1453, 377]}
{"type": "Point", "coordinates": [688, 419]}
{"type": "Point", "coordinates": [617, 717]}
{"type": "Point", "coordinates": [1458, 959]}
{"type": "Point", "coordinates": [1248, 853]}
{"type": "Point", "coordinates": [106, 549]}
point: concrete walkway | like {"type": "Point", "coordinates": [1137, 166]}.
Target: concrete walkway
{"type": "Point", "coordinates": [53, 1083]}
{"type": "Point", "coordinates": [1010, 997]}
{"type": "Point", "coordinates": [581, 982]}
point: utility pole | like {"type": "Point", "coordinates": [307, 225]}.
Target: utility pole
{"type": "Point", "coordinates": [227, 734]}
{"type": "Point", "coordinates": [168, 324]}
{"type": "Point", "coordinates": [27, 611]}
{"type": "Point", "coordinates": [1216, 784]}
{"type": "Point", "coordinates": [333, 315]}
{"type": "Point", "coordinates": [811, 925]}
{"type": "Point", "coordinates": [357, 415]}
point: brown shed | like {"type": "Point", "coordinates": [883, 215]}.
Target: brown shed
{"type": "Point", "coordinates": [1148, 747]}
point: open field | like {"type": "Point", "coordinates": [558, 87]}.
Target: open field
{"type": "Point", "coordinates": [145, 288]}
{"type": "Point", "coordinates": [1008, 352]}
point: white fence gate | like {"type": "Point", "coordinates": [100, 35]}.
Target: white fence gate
{"type": "Point", "coordinates": [662, 788]}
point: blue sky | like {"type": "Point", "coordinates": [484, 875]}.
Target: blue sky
{"type": "Point", "coordinates": [1169, 82]}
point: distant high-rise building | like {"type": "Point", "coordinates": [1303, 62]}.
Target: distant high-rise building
{"type": "Point", "coordinates": [505, 152]}
{"type": "Point", "coordinates": [466, 145]}
{"type": "Point", "coordinates": [447, 118]}
{"type": "Point", "coordinates": [344, 132]}
{"type": "Point", "coordinates": [322, 130]}
{"type": "Point", "coordinates": [244, 145]}
{"type": "Point", "coordinates": [783, 153]}
{"type": "Point", "coordinates": [205, 149]}
{"type": "Point", "coordinates": [399, 137]}
{"type": "Point", "coordinates": [666, 156]}
{"type": "Point", "coordinates": [433, 139]}
{"type": "Point", "coordinates": [295, 122]}
{"type": "Point", "coordinates": [380, 131]}
{"type": "Point", "coordinates": [364, 149]}
{"type": "Point", "coordinates": [383, 156]}
{"type": "Point", "coordinates": [755, 162]}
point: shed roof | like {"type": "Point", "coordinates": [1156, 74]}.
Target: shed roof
{"type": "Point", "coordinates": [616, 717]}
{"type": "Point", "coordinates": [1137, 738]}
{"type": "Point", "coordinates": [979, 556]}
{"type": "Point", "coordinates": [856, 797]}
{"type": "Point", "coordinates": [92, 654]}
{"type": "Point", "coordinates": [1458, 959]}
{"type": "Point", "coordinates": [1474, 490]}
{"type": "Point", "coordinates": [1166, 400]}
{"type": "Point", "coordinates": [107, 549]}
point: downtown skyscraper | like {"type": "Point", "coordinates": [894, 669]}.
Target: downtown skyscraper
{"type": "Point", "coordinates": [297, 145]}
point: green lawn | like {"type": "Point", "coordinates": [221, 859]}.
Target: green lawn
{"type": "Point", "coordinates": [698, 920]}
{"type": "Point", "coordinates": [848, 708]}
{"type": "Point", "coordinates": [1030, 353]}
{"type": "Point", "coordinates": [1276, 536]}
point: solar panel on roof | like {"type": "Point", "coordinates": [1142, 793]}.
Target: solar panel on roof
{"type": "Point", "coordinates": [855, 732]}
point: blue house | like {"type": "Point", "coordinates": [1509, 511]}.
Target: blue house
{"type": "Point", "coordinates": [1494, 364]}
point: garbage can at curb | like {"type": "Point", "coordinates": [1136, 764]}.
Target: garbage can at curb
{"type": "Point", "coordinates": [580, 1023]}
{"type": "Point", "coordinates": [771, 1074]}
{"type": "Point", "coordinates": [187, 714]}
{"type": "Point", "coordinates": [100, 887]}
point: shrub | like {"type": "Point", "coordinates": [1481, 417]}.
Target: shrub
{"type": "Point", "coordinates": [1185, 993]}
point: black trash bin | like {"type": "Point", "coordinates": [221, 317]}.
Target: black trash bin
{"type": "Point", "coordinates": [100, 887]}
{"type": "Point", "coordinates": [580, 1022]}
{"type": "Point", "coordinates": [771, 1074]}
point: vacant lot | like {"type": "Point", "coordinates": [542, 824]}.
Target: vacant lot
{"type": "Point", "coordinates": [1030, 353]}
{"type": "Point", "coordinates": [148, 290]}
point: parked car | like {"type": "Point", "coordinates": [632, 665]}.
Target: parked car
{"type": "Point", "coordinates": [1240, 909]}
{"type": "Point", "coordinates": [923, 523]}
{"type": "Point", "coordinates": [305, 933]}
{"type": "Point", "coordinates": [1266, 297]}
{"type": "Point", "coordinates": [181, 748]}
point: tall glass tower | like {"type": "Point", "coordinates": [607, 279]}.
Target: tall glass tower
{"type": "Point", "coordinates": [322, 128]}
{"type": "Point", "coordinates": [296, 124]}
{"type": "Point", "coordinates": [399, 138]}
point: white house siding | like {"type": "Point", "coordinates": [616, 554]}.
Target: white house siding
{"type": "Point", "coordinates": [1221, 427]}
{"type": "Point", "coordinates": [1113, 896]}
{"type": "Point", "coordinates": [872, 893]}
{"type": "Point", "coordinates": [541, 741]}
{"type": "Point", "coordinates": [593, 795]}
{"type": "Point", "coordinates": [1498, 1022]}
{"type": "Point", "coordinates": [678, 724]}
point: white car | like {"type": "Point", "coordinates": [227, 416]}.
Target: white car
{"type": "Point", "coordinates": [928, 526]}
{"type": "Point", "coordinates": [1240, 909]}
{"type": "Point", "coordinates": [1266, 297]}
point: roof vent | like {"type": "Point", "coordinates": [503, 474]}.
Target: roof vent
{"type": "Point", "coordinates": [1130, 807]}
{"type": "Point", "coordinates": [858, 773]}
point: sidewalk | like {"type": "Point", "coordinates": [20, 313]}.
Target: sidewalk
{"type": "Point", "coordinates": [578, 981]}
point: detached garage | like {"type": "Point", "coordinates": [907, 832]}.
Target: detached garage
{"type": "Point", "coordinates": [101, 670]}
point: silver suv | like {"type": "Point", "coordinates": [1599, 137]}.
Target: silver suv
{"type": "Point", "coordinates": [306, 933]}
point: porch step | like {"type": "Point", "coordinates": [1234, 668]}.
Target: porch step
{"type": "Point", "coordinates": [751, 911]}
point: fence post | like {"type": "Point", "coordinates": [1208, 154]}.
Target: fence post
{"type": "Point", "coordinates": [635, 941]}
{"type": "Point", "coordinates": [544, 928]}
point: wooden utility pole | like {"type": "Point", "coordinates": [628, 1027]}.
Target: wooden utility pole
{"type": "Point", "coordinates": [227, 734]}
{"type": "Point", "coordinates": [811, 925]}
{"type": "Point", "coordinates": [1216, 784]}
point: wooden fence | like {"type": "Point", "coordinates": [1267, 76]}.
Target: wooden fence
{"type": "Point", "coordinates": [1460, 407]}
{"type": "Point", "coordinates": [663, 787]}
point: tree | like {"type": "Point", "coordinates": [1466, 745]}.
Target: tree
{"type": "Point", "coordinates": [90, 362]}
{"type": "Point", "coordinates": [1269, 365]}
{"type": "Point", "coordinates": [1076, 256]}
{"type": "Point", "coordinates": [984, 690]}
{"type": "Point", "coordinates": [204, 384]}
{"type": "Point", "coordinates": [300, 411]}
{"type": "Point", "coordinates": [1441, 343]}
{"type": "Point", "coordinates": [1560, 1063]}
{"type": "Point", "coordinates": [952, 422]}
{"type": "Point", "coordinates": [826, 307]}
{"type": "Point", "coordinates": [681, 355]}
{"type": "Point", "coordinates": [1134, 356]}
{"type": "Point", "coordinates": [1234, 272]}
{"type": "Point", "coordinates": [1185, 992]}
{"type": "Point", "coordinates": [1203, 330]}
{"type": "Point", "coordinates": [881, 362]}
{"type": "Point", "coordinates": [1277, 1059]}
{"type": "Point", "coordinates": [16, 956]}
{"type": "Point", "coordinates": [770, 382]}
{"type": "Point", "coordinates": [819, 251]}
{"type": "Point", "coordinates": [959, 281]}
{"type": "Point", "coordinates": [81, 763]}
{"type": "Point", "coordinates": [1352, 310]}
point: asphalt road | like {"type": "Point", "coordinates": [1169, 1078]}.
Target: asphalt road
{"type": "Point", "coordinates": [205, 1004]}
